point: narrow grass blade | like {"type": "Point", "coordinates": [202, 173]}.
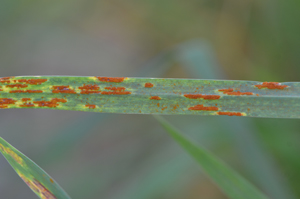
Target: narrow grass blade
{"type": "Point", "coordinates": [153, 96]}
{"type": "Point", "coordinates": [36, 178]}
{"type": "Point", "coordinates": [235, 186]}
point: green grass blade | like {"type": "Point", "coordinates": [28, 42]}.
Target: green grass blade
{"type": "Point", "coordinates": [153, 96]}
{"type": "Point", "coordinates": [36, 178]}
{"type": "Point", "coordinates": [235, 186]}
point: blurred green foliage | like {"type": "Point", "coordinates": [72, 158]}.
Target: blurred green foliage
{"type": "Point", "coordinates": [107, 155]}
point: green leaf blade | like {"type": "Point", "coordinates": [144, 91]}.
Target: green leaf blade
{"type": "Point", "coordinates": [233, 185]}
{"type": "Point", "coordinates": [35, 177]}
{"type": "Point", "coordinates": [153, 96]}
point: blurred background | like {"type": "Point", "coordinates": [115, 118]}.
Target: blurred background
{"type": "Point", "coordinates": [111, 156]}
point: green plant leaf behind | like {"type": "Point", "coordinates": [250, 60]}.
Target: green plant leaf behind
{"type": "Point", "coordinates": [232, 184]}
{"type": "Point", "coordinates": [35, 177]}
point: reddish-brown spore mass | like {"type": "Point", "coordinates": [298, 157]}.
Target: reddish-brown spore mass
{"type": "Point", "coordinates": [200, 107]}
{"type": "Point", "coordinates": [27, 105]}
{"type": "Point", "coordinates": [200, 96]}
{"type": "Point", "coordinates": [229, 91]}
{"type": "Point", "coordinates": [164, 108]}
{"type": "Point", "coordinates": [155, 98]}
{"type": "Point", "coordinates": [32, 81]}
{"type": "Point", "coordinates": [26, 91]}
{"type": "Point", "coordinates": [116, 93]}
{"type": "Point", "coordinates": [116, 88]}
{"type": "Point", "coordinates": [111, 79]}
{"type": "Point", "coordinates": [5, 80]}
{"type": "Point", "coordinates": [89, 89]}
{"type": "Point", "coordinates": [4, 102]}
{"type": "Point", "coordinates": [271, 85]}
{"type": "Point", "coordinates": [230, 113]}
{"type": "Point", "coordinates": [26, 99]}
{"type": "Point", "coordinates": [148, 85]}
{"type": "Point", "coordinates": [17, 86]}
{"type": "Point", "coordinates": [63, 89]}
{"type": "Point", "coordinates": [51, 104]}
{"type": "Point", "coordinates": [91, 106]}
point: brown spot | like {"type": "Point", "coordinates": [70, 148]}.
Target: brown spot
{"type": "Point", "coordinates": [4, 102]}
{"type": "Point", "coordinates": [115, 93]}
{"type": "Point", "coordinates": [155, 98]}
{"type": "Point", "coordinates": [163, 108]}
{"type": "Point", "coordinates": [271, 85]}
{"type": "Point", "coordinates": [91, 106]}
{"type": "Point", "coordinates": [63, 89]}
{"type": "Point", "coordinates": [51, 180]}
{"type": "Point", "coordinates": [51, 104]}
{"type": "Point", "coordinates": [200, 107]}
{"type": "Point", "coordinates": [26, 99]}
{"type": "Point", "coordinates": [89, 89]}
{"type": "Point", "coordinates": [206, 97]}
{"type": "Point", "coordinates": [148, 85]}
{"type": "Point", "coordinates": [230, 113]}
{"type": "Point", "coordinates": [115, 88]}
{"type": "Point", "coordinates": [26, 91]}
{"type": "Point", "coordinates": [111, 79]}
{"type": "Point", "coordinates": [32, 81]}
{"type": "Point", "coordinates": [17, 86]}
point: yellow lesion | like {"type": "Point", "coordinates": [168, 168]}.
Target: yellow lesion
{"type": "Point", "coordinates": [13, 154]}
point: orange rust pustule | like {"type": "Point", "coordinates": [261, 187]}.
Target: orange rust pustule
{"type": "Point", "coordinates": [238, 93]}
{"type": "Point", "coordinates": [26, 91]}
{"type": "Point", "coordinates": [226, 90]}
{"type": "Point", "coordinates": [163, 108]}
{"type": "Point", "coordinates": [271, 85]}
{"type": "Point", "coordinates": [4, 102]}
{"type": "Point", "coordinates": [116, 93]}
{"type": "Point", "coordinates": [200, 96]}
{"type": "Point", "coordinates": [27, 105]}
{"type": "Point", "coordinates": [51, 104]}
{"type": "Point", "coordinates": [32, 81]}
{"type": "Point", "coordinates": [17, 86]}
{"type": "Point", "coordinates": [63, 89]}
{"type": "Point", "coordinates": [5, 79]}
{"type": "Point", "coordinates": [111, 79]}
{"type": "Point", "coordinates": [91, 106]}
{"type": "Point", "coordinates": [89, 89]}
{"type": "Point", "coordinates": [116, 88]}
{"type": "Point", "coordinates": [26, 99]}
{"type": "Point", "coordinates": [148, 85]}
{"type": "Point", "coordinates": [230, 113]}
{"type": "Point", "coordinates": [155, 98]}
{"type": "Point", "coordinates": [200, 107]}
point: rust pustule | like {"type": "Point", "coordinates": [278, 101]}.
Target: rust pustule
{"type": "Point", "coordinates": [90, 106]}
{"type": "Point", "coordinates": [226, 90]}
{"type": "Point", "coordinates": [27, 105]}
{"type": "Point", "coordinates": [89, 89]}
{"type": "Point", "coordinates": [155, 98]}
{"type": "Point", "coordinates": [111, 79]}
{"type": "Point", "coordinates": [230, 91]}
{"type": "Point", "coordinates": [63, 89]}
{"type": "Point", "coordinates": [26, 91]}
{"type": "Point", "coordinates": [32, 81]}
{"type": "Point", "coordinates": [200, 107]}
{"type": "Point", "coordinates": [200, 96]}
{"type": "Point", "coordinates": [5, 79]}
{"type": "Point", "coordinates": [4, 102]}
{"type": "Point", "coordinates": [26, 99]}
{"type": "Point", "coordinates": [115, 93]}
{"type": "Point", "coordinates": [17, 86]}
{"type": "Point", "coordinates": [116, 88]}
{"type": "Point", "coordinates": [53, 103]}
{"type": "Point", "coordinates": [148, 85]}
{"type": "Point", "coordinates": [230, 113]}
{"type": "Point", "coordinates": [271, 85]}
{"type": "Point", "coordinates": [163, 108]}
